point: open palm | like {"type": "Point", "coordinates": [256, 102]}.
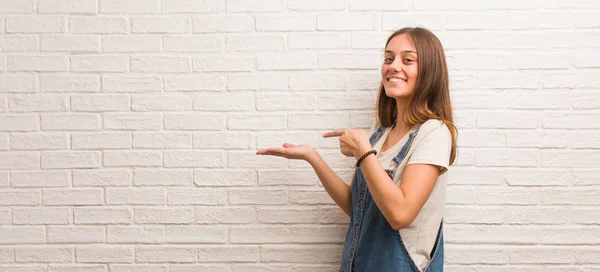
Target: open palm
{"type": "Point", "coordinates": [290, 151]}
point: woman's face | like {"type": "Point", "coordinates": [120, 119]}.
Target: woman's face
{"type": "Point", "coordinates": [400, 67]}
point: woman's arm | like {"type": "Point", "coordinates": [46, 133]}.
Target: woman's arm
{"type": "Point", "coordinates": [337, 189]}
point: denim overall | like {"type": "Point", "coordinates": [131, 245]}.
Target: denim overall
{"type": "Point", "coordinates": [371, 244]}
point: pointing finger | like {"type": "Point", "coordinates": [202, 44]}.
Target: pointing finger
{"type": "Point", "coordinates": [335, 133]}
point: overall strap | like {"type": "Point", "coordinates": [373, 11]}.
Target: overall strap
{"type": "Point", "coordinates": [376, 135]}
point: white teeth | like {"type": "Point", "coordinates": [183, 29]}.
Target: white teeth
{"type": "Point", "coordinates": [396, 80]}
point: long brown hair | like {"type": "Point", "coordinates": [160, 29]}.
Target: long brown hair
{"type": "Point", "coordinates": [431, 97]}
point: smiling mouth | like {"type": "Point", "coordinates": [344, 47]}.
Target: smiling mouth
{"type": "Point", "coordinates": [396, 80]}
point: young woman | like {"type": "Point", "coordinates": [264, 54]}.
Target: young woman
{"type": "Point", "coordinates": [396, 198]}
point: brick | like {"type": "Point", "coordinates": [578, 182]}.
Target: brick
{"type": "Point", "coordinates": [203, 6]}
{"type": "Point", "coordinates": [25, 268]}
{"type": "Point", "coordinates": [523, 158]}
{"type": "Point", "coordinates": [492, 234]}
{"type": "Point", "coordinates": [44, 254]}
{"type": "Point", "coordinates": [535, 215]}
{"type": "Point", "coordinates": [17, 83]}
{"type": "Point", "coordinates": [287, 177]}
{"type": "Point", "coordinates": [70, 159]}
{"type": "Point", "coordinates": [477, 62]}
{"type": "Point", "coordinates": [165, 254]}
{"type": "Point", "coordinates": [238, 253]}
{"type": "Point", "coordinates": [39, 179]}
{"type": "Point", "coordinates": [135, 196]}
{"type": "Point", "coordinates": [310, 197]}
{"type": "Point", "coordinates": [258, 235]}
{"type": "Point", "coordinates": [200, 268]}
{"type": "Point", "coordinates": [93, 63]}
{"type": "Point", "coordinates": [134, 6]}
{"type": "Point", "coordinates": [349, 61]}
{"type": "Point", "coordinates": [584, 216]}
{"type": "Point", "coordinates": [196, 43]}
{"type": "Point", "coordinates": [102, 215]}
{"type": "Point", "coordinates": [67, 6]}
{"type": "Point", "coordinates": [102, 177]}
{"type": "Point", "coordinates": [368, 40]}
{"type": "Point", "coordinates": [105, 254]}
{"type": "Point", "coordinates": [566, 80]}
{"type": "Point", "coordinates": [224, 140]}
{"type": "Point", "coordinates": [162, 140]}
{"type": "Point", "coordinates": [75, 234]}
{"type": "Point", "coordinates": [252, 6]}
{"type": "Point", "coordinates": [585, 140]}
{"type": "Point", "coordinates": [510, 120]}
{"type": "Point", "coordinates": [569, 197]}
{"type": "Point", "coordinates": [17, 6]}
{"type": "Point", "coordinates": [473, 215]}
{"type": "Point", "coordinates": [541, 255]}
{"type": "Point", "coordinates": [18, 43]}
{"type": "Point", "coordinates": [160, 64]}
{"type": "Point", "coordinates": [570, 120]}
{"type": "Point", "coordinates": [29, 102]}
{"type": "Point", "coordinates": [164, 215]}
{"type": "Point", "coordinates": [39, 63]}
{"type": "Point", "coordinates": [73, 44]}
{"type": "Point", "coordinates": [99, 103]}
{"type": "Point", "coordinates": [462, 254]}
{"type": "Point", "coordinates": [386, 5]}
{"type": "Point", "coordinates": [586, 59]}
{"type": "Point", "coordinates": [195, 83]}
{"type": "Point", "coordinates": [195, 121]}
{"type": "Point", "coordinates": [224, 178]}
{"type": "Point", "coordinates": [127, 44]}
{"type": "Point", "coordinates": [286, 61]}
{"type": "Point", "coordinates": [332, 215]}
{"type": "Point", "coordinates": [308, 5]}
{"type": "Point", "coordinates": [223, 23]}
{"type": "Point", "coordinates": [350, 21]}
{"type": "Point", "coordinates": [20, 160]}
{"type": "Point", "coordinates": [76, 268]}
{"type": "Point", "coordinates": [138, 268]}
{"type": "Point", "coordinates": [36, 24]}
{"type": "Point", "coordinates": [197, 234]}
{"type": "Point", "coordinates": [539, 20]}
{"type": "Point", "coordinates": [300, 254]}
{"type": "Point", "coordinates": [318, 81]}
{"type": "Point", "coordinates": [346, 101]}
{"type": "Point", "coordinates": [276, 139]}
{"type": "Point", "coordinates": [20, 197]}
{"type": "Point", "coordinates": [255, 42]}
{"type": "Point", "coordinates": [503, 196]}
{"type": "Point", "coordinates": [482, 138]}
{"type": "Point", "coordinates": [247, 159]}
{"type": "Point", "coordinates": [541, 139]}
{"type": "Point", "coordinates": [39, 141]}
{"type": "Point", "coordinates": [317, 234]}
{"type": "Point", "coordinates": [584, 19]}
{"type": "Point", "coordinates": [64, 83]}
{"type": "Point", "coordinates": [131, 84]}
{"type": "Point", "coordinates": [498, 81]}
{"type": "Point", "coordinates": [279, 102]}
{"type": "Point", "coordinates": [73, 196]}
{"type": "Point", "coordinates": [38, 216]}
{"type": "Point", "coordinates": [256, 122]}
{"type": "Point", "coordinates": [22, 235]}
{"type": "Point", "coordinates": [169, 102]}
{"type": "Point", "coordinates": [226, 63]}
{"type": "Point", "coordinates": [162, 177]}
{"type": "Point", "coordinates": [7, 255]}
{"type": "Point", "coordinates": [286, 22]}
{"type": "Point", "coordinates": [475, 176]}
{"type": "Point", "coordinates": [318, 121]}
{"type": "Point", "coordinates": [257, 81]}
{"type": "Point", "coordinates": [224, 102]}
{"type": "Point", "coordinates": [196, 197]}
{"type": "Point", "coordinates": [160, 25]}
{"type": "Point", "coordinates": [70, 121]}
{"type": "Point", "coordinates": [98, 25]}
{"type": "Point", "coordinates": [309, 40]}
{"type": "Point", "coordinates": [135, 234]}
{"type": "Point", "coordinates": [106, 140]}
{"type": "Point", "coordinates": [132, 121]}
{"type": "Point", "coordinates": [395, 20]}
{"type": "Point", "coordinates": [225, 215]}
{"type": "Point", "coordinates": [537, 61]}
{"type": "Point", "coordinates": [253, 196]}
{"type": "Point", "coordinates": [209, 159]}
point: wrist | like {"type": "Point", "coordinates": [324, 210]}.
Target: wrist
{"type": "Point", "coordinates": [312, 156]}
{"type": "Point", "coordinates": [361, 151]}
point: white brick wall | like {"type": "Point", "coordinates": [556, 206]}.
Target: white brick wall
{"type": "Point", "coordinates": [128, 131]}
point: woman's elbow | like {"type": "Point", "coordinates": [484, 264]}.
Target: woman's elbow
{"type": "Point", "coordinates": [401, 221]}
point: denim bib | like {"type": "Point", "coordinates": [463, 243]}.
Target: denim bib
{"type": "Point", "coordinates": [371, 243]}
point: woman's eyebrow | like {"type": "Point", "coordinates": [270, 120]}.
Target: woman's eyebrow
{"type": "Point", "coordinates": [405, 51]}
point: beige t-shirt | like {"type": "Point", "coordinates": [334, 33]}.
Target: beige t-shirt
{"type": "Point", "coordinates": [432, 145]}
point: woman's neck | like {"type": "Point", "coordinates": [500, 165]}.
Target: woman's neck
{"type": "Point", "coordinates": [399, 125]}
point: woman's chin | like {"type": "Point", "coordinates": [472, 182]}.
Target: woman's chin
{"type": "Point", "coordinates": [397, 93]}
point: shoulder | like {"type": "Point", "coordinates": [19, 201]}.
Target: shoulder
{"type": "Point", "coordinates": [434, 128]}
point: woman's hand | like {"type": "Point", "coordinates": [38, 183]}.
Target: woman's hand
{"type": "Point", "coordinates": [289, 151]}
{"type": "Point", "coordinates": [353, 142]}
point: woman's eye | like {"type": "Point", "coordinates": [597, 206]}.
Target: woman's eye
{"type": "Point", "coordinates": [388, 59]}
{"type": "Point", "coordinates": [408, 60]}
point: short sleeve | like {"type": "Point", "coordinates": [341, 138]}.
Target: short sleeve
{"type": "Point", "coordinates": [434, 148]}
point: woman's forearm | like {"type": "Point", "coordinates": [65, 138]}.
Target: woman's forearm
{"type": "Point", "coordinates": [337, 189]}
